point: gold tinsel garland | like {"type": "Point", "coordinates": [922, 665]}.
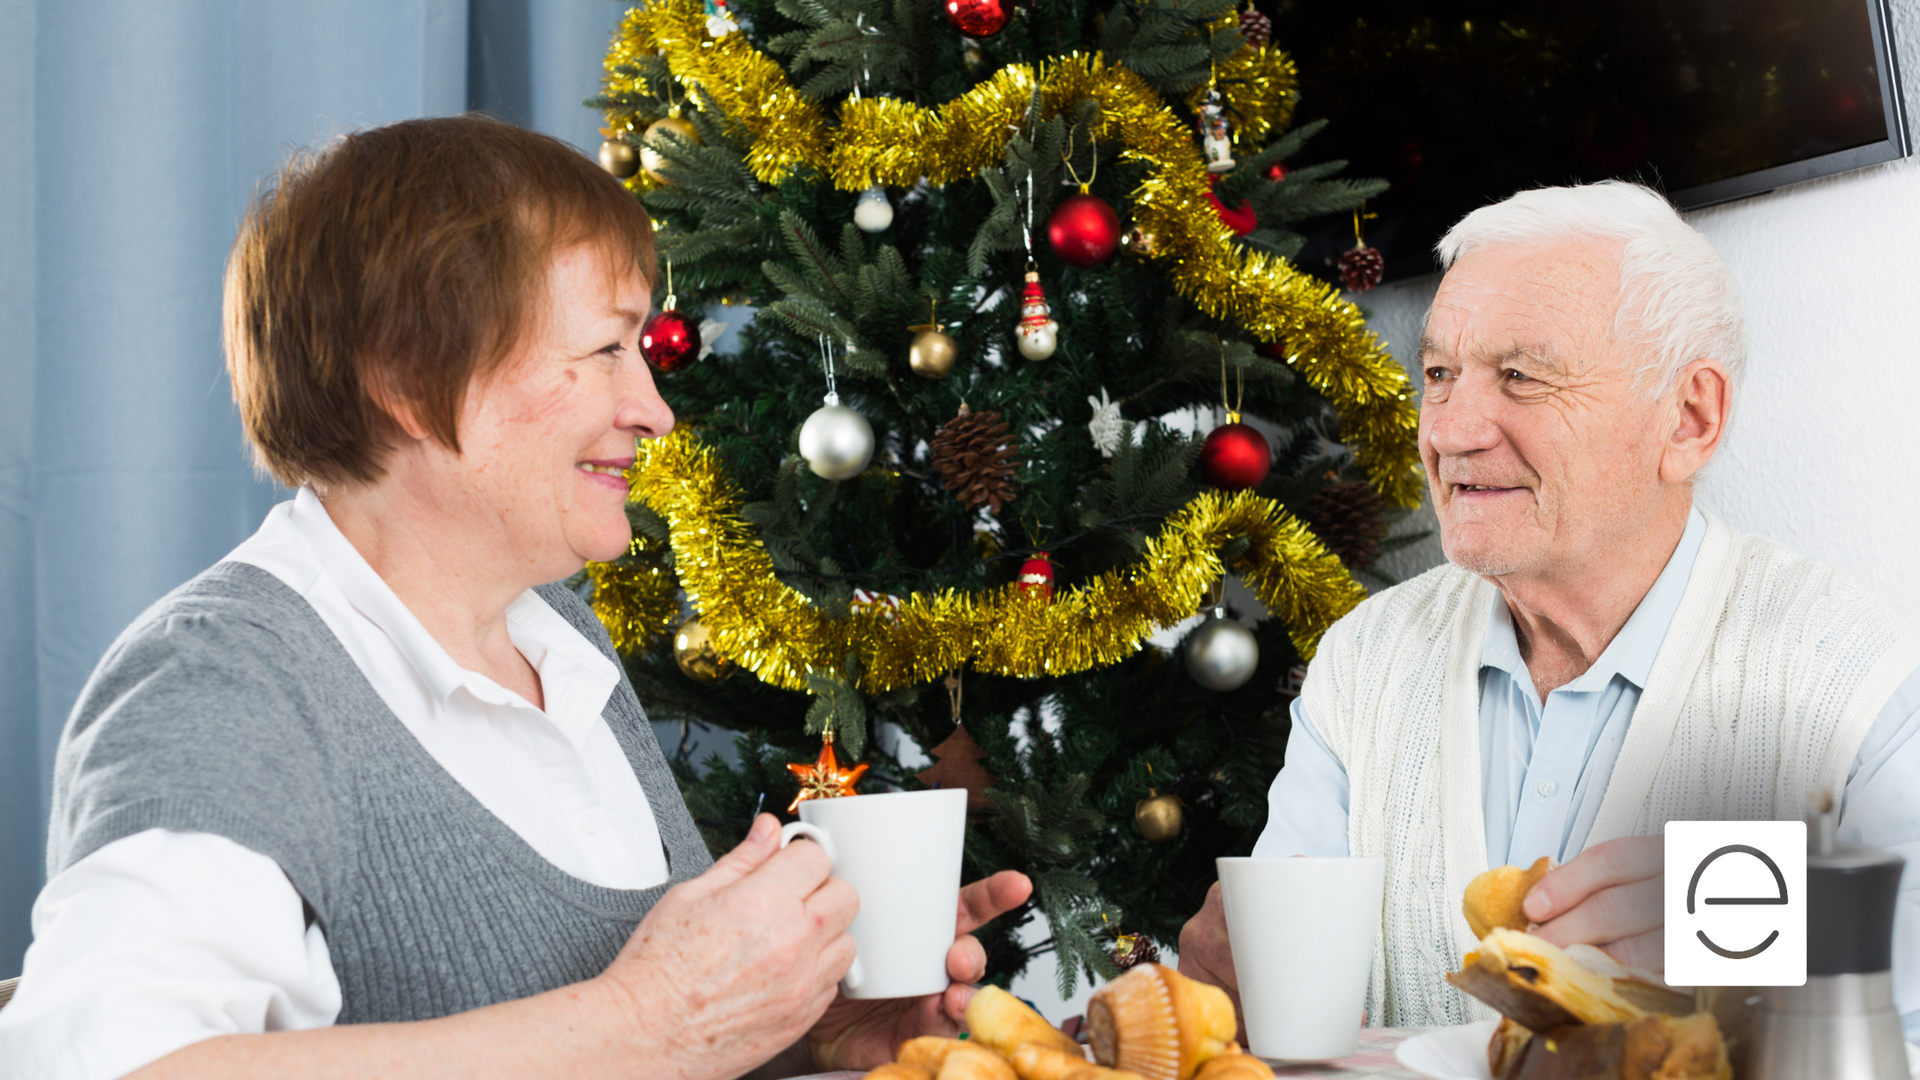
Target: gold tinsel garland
{"type": "Point", "coordinates": [635, 597]}
{"type": "Point", "coordinates": [886, 141]}
{"type": "Point", "coordinates": [778, 634]}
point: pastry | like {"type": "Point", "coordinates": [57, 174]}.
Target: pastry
{"type": "Point", "coordinates": [970, 1062]}
{"type": "Point", "coordinates": [1234, 1065]}
{"type": "Point", "coordinates": [997, 1019]}
{"type": "Point", "coordinates": [1504, 1049]}
{"type": "Point", "coordinates": [894, 1070]}
{"type": "Point", "coordinates": [1158, 1023]}
{"type": "Point", "coordinates": [1038, 1061]}
{"type": "Point", "coordinates": [928, 1052]}
{"type": "Point", "coordinates": [1530, 980]}
{"type": "Point", "coordinates": [1655, 1047]}
{"type": "Point", "coordinates": [1493, 899]}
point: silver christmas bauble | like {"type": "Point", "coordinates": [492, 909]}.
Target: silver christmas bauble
{"type": "Point", "coordinates": [1222, 654]}
{"type": "Point", "coordinates": [873, 213]}
{"type": "Point", "coordinates": [837, 442]}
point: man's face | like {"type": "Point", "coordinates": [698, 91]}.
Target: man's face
{"type": "Point", "coordinates": [1543, 457]}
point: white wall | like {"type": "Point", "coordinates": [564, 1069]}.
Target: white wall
{"type": "Point", "coordinates": [1824, 451]}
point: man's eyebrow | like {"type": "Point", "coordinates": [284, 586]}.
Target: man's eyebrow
{"type": "Point", "coordinates": [1538, 354]}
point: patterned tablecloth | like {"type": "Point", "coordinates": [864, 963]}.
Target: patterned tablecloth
{"type": "Point", "coordinates": [1374, 1058]}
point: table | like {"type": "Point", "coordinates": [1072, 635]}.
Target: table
{"type": "Point", "coordinates": [1374, 1059]}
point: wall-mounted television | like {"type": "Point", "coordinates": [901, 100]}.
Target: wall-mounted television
{"type": "Point", "coordinates": [1459, 103]}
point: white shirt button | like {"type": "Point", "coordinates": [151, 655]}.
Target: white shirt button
{"type": "Point", "coordinates": [1547, 788]}
{"type": "Point", "coordinates": [590, 822]}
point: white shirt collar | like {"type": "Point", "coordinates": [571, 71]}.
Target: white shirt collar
{"type": "Point", "coordinates": [575, 677]}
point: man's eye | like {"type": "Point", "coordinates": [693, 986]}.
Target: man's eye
{"type": "Point", "coordinates": [1438, 374]}
{"type": "Point", "coordinates": [1515, 375]}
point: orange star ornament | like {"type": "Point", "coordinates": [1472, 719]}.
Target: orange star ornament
{"type": "Point", "coordinates": [825, 779]}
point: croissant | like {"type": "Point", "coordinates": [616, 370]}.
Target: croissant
{"type": "Point", "coordinates": [1493, 899]}
{"type": "Point", "coordinates": [1234, 1065]}
{"type": "Point", "coordinates": [927, 1052]}
{"type": "Point", "coordinates": [1532, 981]}
{"type": "Point", "coordinates": [997, 1019]}
{"type": "Point", "coordinates": [969, 1062]}
{"type": "Point", "coordinates": [1158, 1023]}
{"type": "Point", "coordinates": [894, 1070]}
{"type": "Point", "coordinates": [1038, 1061]}
{"type": "Point", "coordinates": [1655, 1047]}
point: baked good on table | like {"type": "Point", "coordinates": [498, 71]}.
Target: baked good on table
{"type": "Point", "coordinates": [1158, 1023]}
{"type": "Point", "coordinates": [894, 1070]}
{"type": "Point", "coordinates": [1234, 1065]}
{"type": "Point", "coordinates": [1038, 1061]}
{"type": "Point", "coordinates": [928, 1052]}
{"type": "Point", "coordinates": [971, 1061]}
{"type": "Point", "coordinates": [1493, 899]}
{"type": "Point", "coordinates": [997, 1019]}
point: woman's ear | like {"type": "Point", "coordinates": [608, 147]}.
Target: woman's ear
{"type": "Point", "coordinates": [398, 409]}
{"type": "Point", "coordinates": [1701, 404]}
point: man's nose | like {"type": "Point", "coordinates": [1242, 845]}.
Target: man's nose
{"type": "Point", "coordinates": [1467, 419]}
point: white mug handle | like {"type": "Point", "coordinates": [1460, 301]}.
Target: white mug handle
{"type": "Point", "coordinates": [855, 974]}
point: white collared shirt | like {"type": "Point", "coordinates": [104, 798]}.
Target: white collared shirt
{"type": "Point", "coordinates": [162, 939]}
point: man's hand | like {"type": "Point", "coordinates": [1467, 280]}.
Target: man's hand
{"type": "Point", "coordinates": [732, 967]}
{"type": "Point", "coordinates": [1611, 895]}
{"type": "Point", "coordinates": [863, 1034]}
{"type": "Point", "coordinates": [1206, 956]}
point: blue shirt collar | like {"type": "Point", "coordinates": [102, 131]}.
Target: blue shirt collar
{"type": "Point", "coordinates": [1632, 651]}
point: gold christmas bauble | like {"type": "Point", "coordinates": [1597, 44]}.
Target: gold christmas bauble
{"type": "Point", "coordinates": [618, 157]}
{"type": "Point", "coordinates": [1138, 244]}
{"type": "Point", "coordinates": [651, 159]}
{"type": "Point", "coordinates": [932, 353]}
{"type": "Point", "coordinates": [693, 650]}
{"type": "Point", "coordinates": [1159, 817]}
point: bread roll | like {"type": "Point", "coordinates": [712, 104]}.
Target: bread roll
{"type": "Point", "coordinates": [997, 1019]}
{"type": "Point", "coordinates": [1493, 899]}
{"type": "Point", "coordinates": [1234, 1066]}
{"type": "Point", "coordinates": [928, 1052]}
{"type": "Point", "coordinates": [970, 1062]}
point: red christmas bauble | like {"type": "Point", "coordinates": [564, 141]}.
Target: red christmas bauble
{"type": "Point", "coordinates": [670, 340]}
{"type": "Point", "coordinates": [1235, 457]}
{"type": "Point", "coordinates": [1083, 230]}
{"type": "Point", "coordinates": [1240, 219]}
{"type": "Point", "coordinates": [1036, 577]}
{"type": "Point", "coordinates": [980, 18]}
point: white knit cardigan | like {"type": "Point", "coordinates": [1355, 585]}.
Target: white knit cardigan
{"type": "Point", "coordinates": [1773, 670]}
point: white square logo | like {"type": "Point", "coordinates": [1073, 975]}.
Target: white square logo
{"type": "Point", "coordinates": [1736, 900]}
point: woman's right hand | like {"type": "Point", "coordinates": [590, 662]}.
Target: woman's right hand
{"type": "Point", "coordinates": [733, 967]}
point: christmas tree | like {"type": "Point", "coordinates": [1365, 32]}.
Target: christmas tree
{"type": "Point", "coordinates": [995, 256]}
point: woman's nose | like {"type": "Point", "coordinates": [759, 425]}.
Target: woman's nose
{"type": "Point", "coordinates": [642, 410]}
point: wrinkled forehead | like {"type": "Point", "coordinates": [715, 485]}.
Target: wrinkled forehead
{"type": "Point", "coordinates": [1555, 299]}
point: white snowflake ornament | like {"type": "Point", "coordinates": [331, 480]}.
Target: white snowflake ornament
{"type": "Point", "coordinates": [1106, 427]}
{"type": "Point", "coordinates": [710, 331]}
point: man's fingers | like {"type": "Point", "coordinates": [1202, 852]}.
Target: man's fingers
{"type": "Point", "coordinates": [799, 868]}
{"type": "Point", "coordinates": [834, 904]}
{"type": "Point", "coordinates": [1611, 914]}
{"type": "Point", "coordinates": [953, 1011]}
{"type": "Point", "coordinates": [966, 960]}
{"type": "Point", "coordinates": [983, 901]}
{"type": "Point", "coordinates": [1647, 951]}
{"type": "Point", "coordinates": [1616, 862]}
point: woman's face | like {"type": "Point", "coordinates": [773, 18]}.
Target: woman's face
{"type": "Point", "coordinates": [545, 440]}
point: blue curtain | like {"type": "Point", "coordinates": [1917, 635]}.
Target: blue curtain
{"type": "Point", "coordinates": [132, 135]}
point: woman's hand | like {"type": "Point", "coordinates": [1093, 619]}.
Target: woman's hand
{"type": "Point", "coordinates": [863, 1034]}
{"type": "Point", "coordinates": [736, 965]}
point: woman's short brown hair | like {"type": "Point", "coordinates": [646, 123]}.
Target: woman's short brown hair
{"type": "Point", "coordinates": [398, 265]}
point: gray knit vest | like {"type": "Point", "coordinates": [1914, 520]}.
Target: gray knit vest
{"type": "Point", "coordinates": [230, 708]}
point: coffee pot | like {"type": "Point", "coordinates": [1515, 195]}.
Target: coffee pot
{"type": "Point", "coordinates": [1841, 1025]}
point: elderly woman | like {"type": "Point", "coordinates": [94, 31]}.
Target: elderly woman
{"type": "Point", "coordinates": [370, 796]}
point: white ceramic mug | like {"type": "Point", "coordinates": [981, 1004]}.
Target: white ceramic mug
{"type": "Point", "coordinates": [1302, 932]}
{"type": "Point", "coordinates": [901, 852]}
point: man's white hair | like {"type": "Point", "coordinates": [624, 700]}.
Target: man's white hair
{"type": "Point", "coordinates": [1677, 300]}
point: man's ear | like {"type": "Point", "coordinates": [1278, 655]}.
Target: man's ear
{"type": "Point", "coordinates": [1701, 403]}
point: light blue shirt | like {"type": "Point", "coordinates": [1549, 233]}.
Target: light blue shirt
{"type": "Point", "coordinates": [1544, 768]}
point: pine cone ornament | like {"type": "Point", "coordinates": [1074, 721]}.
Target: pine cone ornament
{"type": "Point", "coordinates": [1361, 268]}
{"type": "Point", "coordinates": [1131, 950]}
{"type": "Point", "coordinates": [1255, 27]}
{"type": "Point", "coordinates": [974, 455]}
{"type": "Point", "coordinates": [1348, 517]}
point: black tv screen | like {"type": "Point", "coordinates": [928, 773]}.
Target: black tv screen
{"type": "Point", "coordinates": [1460, 103]}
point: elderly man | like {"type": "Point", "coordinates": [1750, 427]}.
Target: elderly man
{"type": "Point", "coordinates": [1599, 657]}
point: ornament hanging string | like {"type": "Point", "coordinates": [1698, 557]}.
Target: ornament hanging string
{"type": "Point", "coordinates": [826, 367]}
{"type": "Point", "coordinates": [1239, 380]}
{"type": "Point", "coordinates": [1066, 158]}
